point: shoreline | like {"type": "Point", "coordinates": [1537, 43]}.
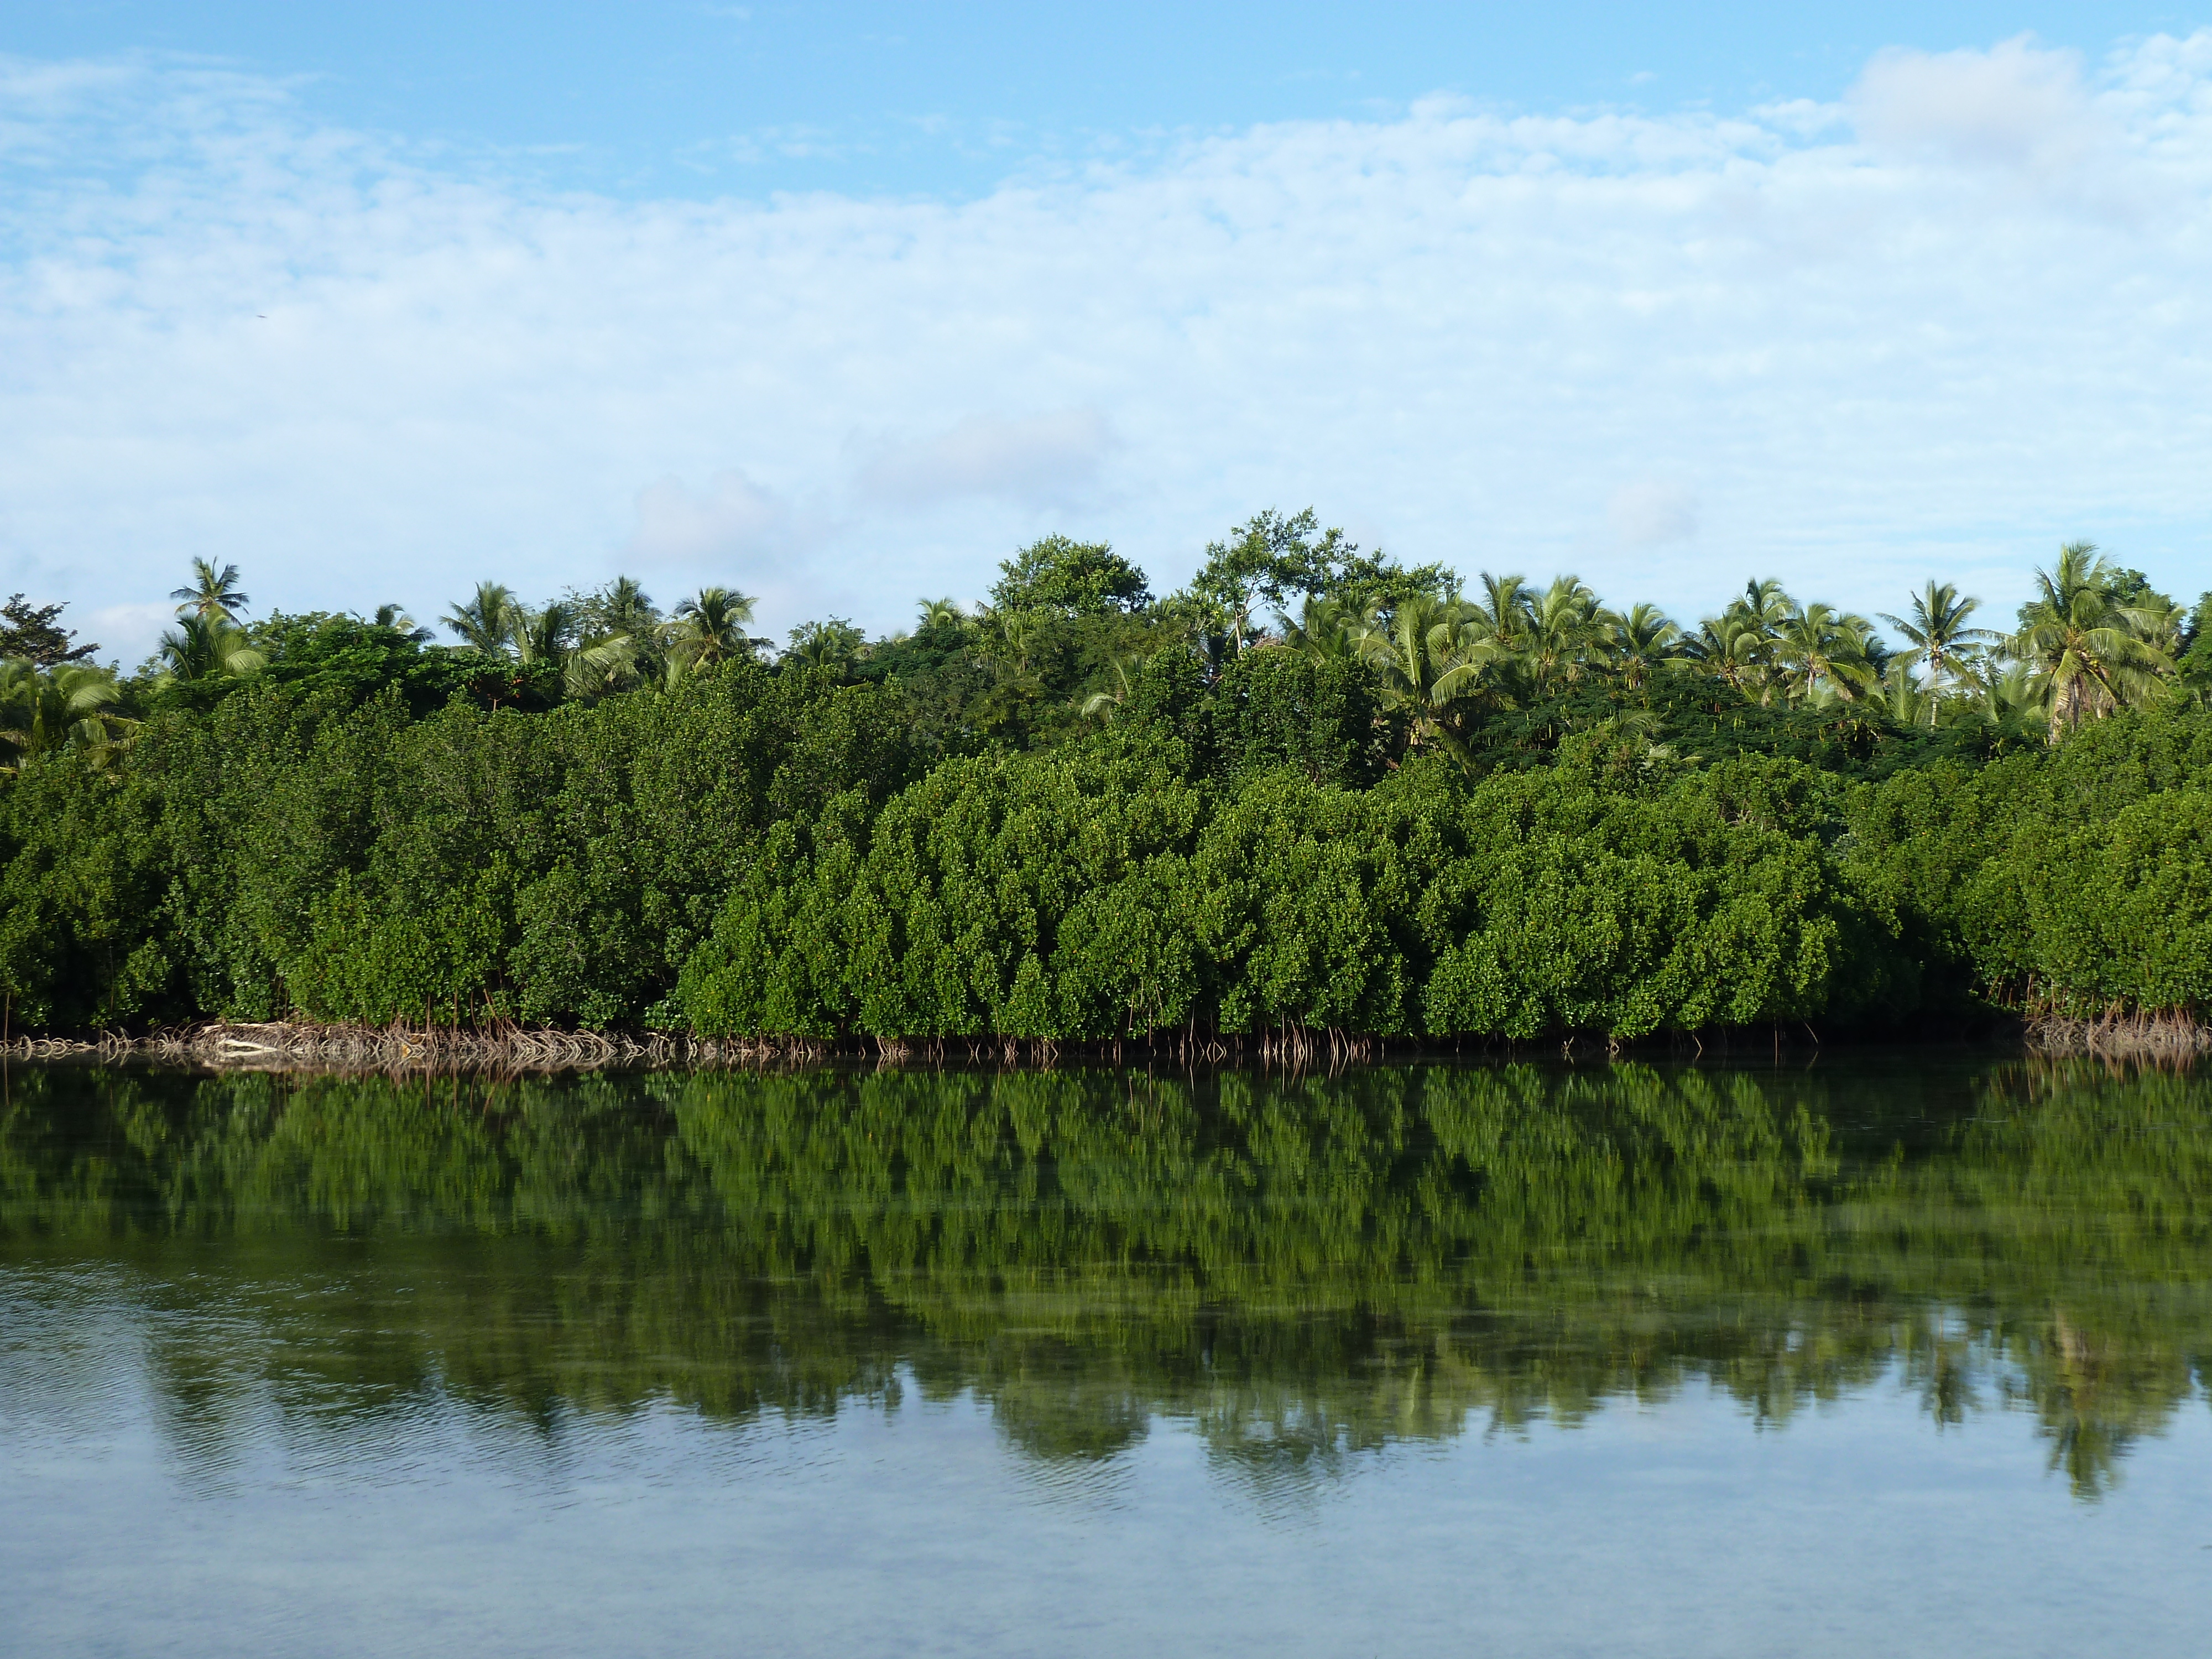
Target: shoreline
{"type": "Point", "coordinates": [288, 1046]}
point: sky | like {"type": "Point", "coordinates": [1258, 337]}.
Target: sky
{"type": "Point", "coordinates": [840, 305]}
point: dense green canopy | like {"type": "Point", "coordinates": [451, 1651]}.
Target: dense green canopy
{"type": "Point", "coordinates": [1407, 809]}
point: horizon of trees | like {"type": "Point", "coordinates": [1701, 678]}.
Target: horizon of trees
{"type": "Point", "coordinates": [1068, 624]}
{"type": "Point", "coordinates": [1311, 789]}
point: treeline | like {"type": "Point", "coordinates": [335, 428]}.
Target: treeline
{"type": "Point", "coordinates": [1297, 1266]}
{"type": "Point", "coordinates": [1085, 815]}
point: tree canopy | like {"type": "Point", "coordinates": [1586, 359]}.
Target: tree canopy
{"type": "Point", "coordinates": [1068, 578]}
{"type": "Point", "coordinates": [1312, 788]}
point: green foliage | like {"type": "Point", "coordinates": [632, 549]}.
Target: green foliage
{"type": "Point", "coordinates": [349, 660]}
{"type": "Point", "coordinates": [1068, 577]}
{"type": "Point", "coordinates": [2075, 879]}
{"type": "Point", "coordinates": [1097, 893]}
{"type": "Point", "coordinates": [1319, 718]}
{"type": "Point", "coordinates": [32, 632]}
{"type": "Point", "coordinates": [299, 852]}
{"type": "Point", "coordinates": [1417, 814]}
{"type": "Point", "coordinates": [70, 706]}
{"type": "Point", "coordinates": [86, 870]}
{"type": "Point", "coordinates": [1274, 560]}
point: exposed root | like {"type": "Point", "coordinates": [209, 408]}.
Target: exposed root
{"type": "Point", "coordinates": [283, 1046]}
{"type": "Point", "coordinates": [504, 1046]}
{"type": "Point", "coordinates": [2174, 1036]}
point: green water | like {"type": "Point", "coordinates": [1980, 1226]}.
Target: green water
{"type": "Point", "coordinates": [1903, 1351]}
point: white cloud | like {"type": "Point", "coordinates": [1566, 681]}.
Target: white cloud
{"type": "Point", "coordinates": [733, 519]}
{"type": "Point", "coordinates": [2014, 107]}
{"type": "Point", "coordinates": [1878, 336]}
{"type": "Point", "coordinates": [1041, 461]}
{"type": "Point", "coordinates": [126, 634]}
{"type": "Point", "coordinates": [1652, 512]}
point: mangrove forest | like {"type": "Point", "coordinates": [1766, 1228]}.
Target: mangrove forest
{"type": "Point", "coordinates": [1315, 791]}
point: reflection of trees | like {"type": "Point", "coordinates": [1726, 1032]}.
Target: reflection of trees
{"type": "Point", "coordinates": [1303, 1269]}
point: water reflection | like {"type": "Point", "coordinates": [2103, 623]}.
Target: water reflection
{"type": "Point", "coordinates": [1302, 1271]}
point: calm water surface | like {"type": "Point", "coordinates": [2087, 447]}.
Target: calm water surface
{"type": "Point", "coordinates": [1902, 1355]}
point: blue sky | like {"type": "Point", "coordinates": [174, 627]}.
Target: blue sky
{"type": "Point", "coordinates": [842, 303]}
{"type": "Point", "coordinates": [695, 97]}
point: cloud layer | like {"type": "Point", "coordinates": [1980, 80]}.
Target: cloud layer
{"type": "Point", "coordinates": [1935, 329]}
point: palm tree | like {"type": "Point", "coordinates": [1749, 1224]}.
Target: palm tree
{"type": "Point", "coordinates": [1122, 669]}
{"type": "Point", "coordinates": [1327, 631]}
{"type": "Point", "coordinates": [1764, 605]}
{"type": "Point", "coordinates": [606, 665]}
{"type": "Point", "coordinates": [541, 636]}
{"type": "Point", "coordinates": [1740, 646]}
{"type": "Point", "coordinates": [2006, 700]}
{"type": "Point", "coordinates": [834, 644]}
{"type": "Point", "coordinates": [1504, 614]}
{"type": "Point", "coordinates": [1905, 699]}
{"type": "Point", "coordinates": [1426, 661]}
{"type": "Point", "coordinates": [1627, 741]}
{"type": "Point", "coordinates": [397, 619]}
{"type": "Point", "coordinates": [198, 647]}
{"type": "Point", "coordinates": [1821, 647]}
{"type": "Point", "coordinates": [2089, 655]}
{"type": "Point", "coordinates": [1563, 626]}
{"type": "Point", "coordinates": [68, 706]}
{"type": "Point", "coordinates": [709, 627]}
{"type": "Point", "coordinates": [212, 595]}
{"type": "Point", "coordinates": [941, 613]}
{"type": "Point", "coordinates": [1736, 652]}
{"type": "Point", "coordinates": [622, 606]}
{"type": "Point", "coordinates": [1640, 641]}
{"type": "Point", "coordinates": [1007, 638]}
{"type": "Point", "coordinates": [1938, 634]}
{"type": "Point", "coordinates": [486, 620]}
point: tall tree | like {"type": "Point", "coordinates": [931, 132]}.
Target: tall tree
{"type": "Point", "coordinates": [1821, 647]}
{"type": "Point", "coordinates": [32, 634]}
{"type": "Point", "coordinates": [605, 665]}
{"type": "Point", "coordinates": [1121, 670]}
{"type": "Point", "coordinates": [71, 705]}
{"type": "Point", "coordinates": [2090, 653]}
{"type": "Point", "coordinates": [836, 644]}
{"type": "Point", "coordinates": [941, 614]}
{"type": "Point", "coordinates": [1063, 577]}
{"type": "Point", "coordinates": [1736, 651]}
{"type": "Point", "coordinates": [1426, 662]}
{"type": "Point", "coordinates": [544, 635]}
{"type": "Point", "coordinates": [622, 606]}
{"type": "Point", "coordinates": [1563, 628]}
{"type": "Point", "coordinates": [198, 647]}
{"type": "Point", "coordinates": [485, 619]}
{"type": "Point", "coordinates": [1328, 631]}
{"type": "Point", "coordinates": [212, 595]}
{"type": "Point", "coordinates": [1267, 560]}
{"type": "Point", "coordinates": [1906, 701]}
{"type": "Point", "coordinates": [396, 618]}
{"type": "Point", "coordinates": [1640, 641]}
{"type": "Point", "coordinates": [1503, 612]}
{"type": "Point", "coordinates": [1939, 636]}
{"type": "Point", "coordinates": [708, 628]}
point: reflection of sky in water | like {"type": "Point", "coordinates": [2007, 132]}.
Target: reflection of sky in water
{"type": "Point", "coordinates": [262, 1507]}
{"type": "Point", "coordinates": [1615, 1362]}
